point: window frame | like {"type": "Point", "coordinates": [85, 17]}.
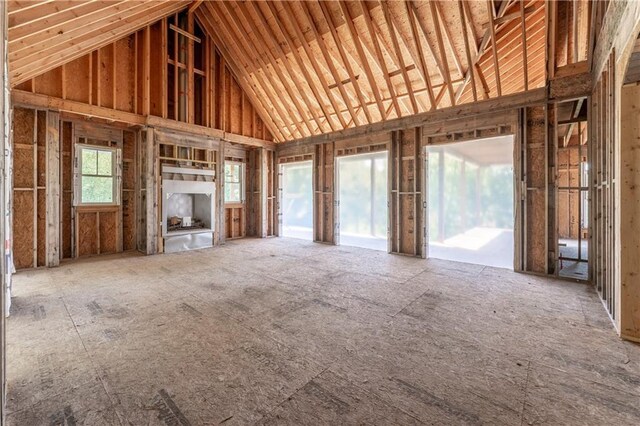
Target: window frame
{"type": "Point", "coordinates": [241, 182]}
{"type": "Point", "coordinates": [116, 168]}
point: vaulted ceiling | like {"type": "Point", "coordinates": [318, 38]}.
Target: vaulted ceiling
{"type": "Point", "coordinates": [323, 66]}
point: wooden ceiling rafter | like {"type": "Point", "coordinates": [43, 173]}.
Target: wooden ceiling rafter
{"type": "Point", "coordinates": [448, 39]}
{"type": "Point", "coordinates": [244, 81]}
{"type": "Point", "coordinates": [398, 55]}
{"type": "Point", "coordinates": [523, 29]}
{"type": "Point", "coordinates": [330, 64]}
{"type": "Point", "coordinates": [345, 61]}
{"type": "Point", "coordinates": [298, 82]}
{"type": "Point", "coordinates": [99, 38]}
{"type": "Point", "coordinates": [470, 64]}
{"type": "Point", "coordinates": [314, 62]}
{"type": "Point", "coordinates": [270, 90]}
{"type": "Point", "coordinates": [378, 53]}
{"type": "Point", "coordinates": [443, 55]}
{"type": "Point", "coordinates": [301, 65]}
{"type": "Point", "coordinates": [60, 36]}
{"type": "Point", "coordinates": [291, 105]}
{"type": "Point", "coordinates": [492, 27]}
{"type": "Point", "coordinates": [416, 51]}
{"type": "Point", "coordinates": [277, 65]}
{"type": "Point", "coordinates": [49, 22]}
{"type": "Point", "coordinates": [363, 62]}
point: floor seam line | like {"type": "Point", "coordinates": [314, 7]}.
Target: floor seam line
{"type": "Point", "coordinates": [526, 387]}
{"type": "Point", "coordinates": [91, 359]}
{"type": "Point", "coordinates": [293, 393]}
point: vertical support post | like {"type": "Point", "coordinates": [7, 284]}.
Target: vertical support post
{"type": "Point", "coordinates": [53, 192]}
{"type": "Point", "coordinates": [152, 180]}
{"type": "Point", "coordinates": [5, 202]}
{"type": "Point", "coordinates": [220, 216]}
{"type": "Point", "coordinates": [263, 201]}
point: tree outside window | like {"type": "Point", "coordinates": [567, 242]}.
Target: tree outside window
{"type": "Point", "coordinates": [233, 182]}
{"type": "Point", "coordinates": [96, 175]}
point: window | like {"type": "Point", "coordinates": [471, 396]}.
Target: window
{"type": "Point", "coordinates": [233, 182]}
{"type": "Point", "coordinates": [96, 181]}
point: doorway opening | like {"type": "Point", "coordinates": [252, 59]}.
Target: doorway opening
{"type": "Point", "coordinates": [573, 190]}
{"type": "Point", "coordinates": [471, 201]}
{"type": "Point", "coordinates": [362, 195]}
{"type": "Point", "coordinates": [296, 203]}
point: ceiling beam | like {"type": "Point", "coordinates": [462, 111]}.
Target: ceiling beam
{"type": "Point", "coordinates": [398, 53]}
{"type": "Point", "coordinates": [312, 59]}
{"type": "Point", "coordinates": [266, 113]}
{"type": "Point", "coordinates": [345, 61]}
{"type": "Point", "coordinates": [378, 52]}
{"type": "Point", "coordinates": [443, 55]}
{"type": "Point", "coordinates": [364, 63]}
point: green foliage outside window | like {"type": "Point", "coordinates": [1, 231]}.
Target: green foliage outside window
{"type": "Point", "coordinates": [233, 182]}
{"type": "Point", "coordinates": [96, 175]}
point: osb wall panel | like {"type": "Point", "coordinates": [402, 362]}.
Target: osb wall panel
{"type": "Point", "coordinates": [87, 233]}
{"type": "Point", "coordinates": [23, 134]}
{"type": "Point", "coordinates": [125, 73]}
{"type": "Point", "coordinates": [67, 189]}
{"type": "Point", "coordinates": [41, 139]}
{"type": "Point", "coordinates": [106, 68]}
{"type": "Point", "coordinates": [108, 232]}
{"type": "Point", "coordinates": [128, 221]}
{"type": "Point", "coordinates": [23, 167]}
{"type": "Point", "coordinates": [42, 225]}
{"type": "Point", "coordinates": [66, 226]}
{"type": "Point", "coordinates": [23, 229]}
{"type": "Point", "coordinates": [77, 79]}
{"type": "Point", "coordinates": [536, 209]}
{"type": "Point", "coordinates": [50, 83]}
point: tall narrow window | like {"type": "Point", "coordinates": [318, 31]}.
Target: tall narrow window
{"type": "Point", "coordinates": [96, 181]}
{"type": "Point", "coordinates": [233, 182]}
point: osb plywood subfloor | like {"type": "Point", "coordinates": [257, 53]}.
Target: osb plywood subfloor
{"type": "Point", "coordinates": [282, 331]}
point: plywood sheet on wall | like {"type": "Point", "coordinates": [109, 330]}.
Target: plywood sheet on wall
{"type": "Point", "coordinates": [42, 225]}
{"type": "Point", "coordinates": [77, 79]}
{"type": "Point", "coordinates": [128, 221]}
{"type": "Point", "coordinates": [87, 233]}
{"type": "Point", "coordinates": [23, 229]}
{"type": "Point", "coordinates": [108, 232]}
{"type": "Point", "coordinates": [125, 73]}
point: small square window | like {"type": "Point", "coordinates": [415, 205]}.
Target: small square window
{"type": "Point", "coordinates": [233, 182]}
{"type": "Point", "coordinates": [96, 179]}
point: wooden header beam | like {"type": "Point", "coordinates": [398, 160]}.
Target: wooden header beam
{"type": "Point", "coordinates": [33, 100]}
{"type": "Point", "coordinates": [518, 100]}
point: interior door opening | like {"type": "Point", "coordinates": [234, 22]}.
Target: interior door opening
{"type": "Point", "coordinates": [362, 195]}
{"type": "Point", "coordinates": [573, 191]}
{"type": "Point", "coordinates": [296, 203]}
{"type": "Point", "coordinates": [470, 203]}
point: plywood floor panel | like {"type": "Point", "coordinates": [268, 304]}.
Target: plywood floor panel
{"type": "Point", "coordinates": [281, 331]}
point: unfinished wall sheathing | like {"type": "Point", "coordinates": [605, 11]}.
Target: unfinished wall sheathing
{"type": "Point", "coordinates": [24, 188]}
{"type": "Point", "coordinates": [35, 188]}
{"type": "Point", "coordinates": [324, 194]}
{"type": "Point", "coordinates": [67, 235]}
{"type": "Point", "coordinates": [602, 119]}
{"type": "Point", "coordinates": [272, 194]}
{"type": "Point", "coordinates": [119, 77]}
{"type": "Point", "coordinates": [129, 185]}
{"type": "Point", "coordinates": [534, 160]}
{"type": "Point", "coordinates": [99, 229]}
{"type": "Point", "coordinates": [260, 192]}
{"type": "Point", "coordinates": [407, 207]}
